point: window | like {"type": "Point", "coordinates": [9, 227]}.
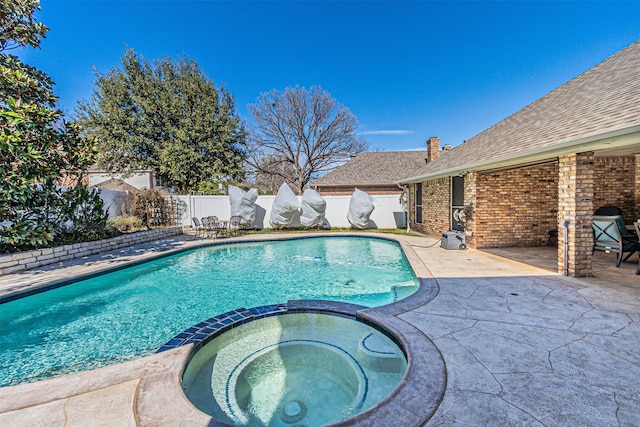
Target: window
{"type": "Point", "coordinates": [418, 204]}
{"type": "Point", "coordinates": [457, 203]}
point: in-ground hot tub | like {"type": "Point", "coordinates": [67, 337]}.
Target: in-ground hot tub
{"type": "Point", "coordinates": [300, 368]}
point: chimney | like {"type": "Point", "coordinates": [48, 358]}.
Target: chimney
{"type": "Point", "coordinates": [446, 147]}
{"type": "Point", "coordinates": [433, 148]}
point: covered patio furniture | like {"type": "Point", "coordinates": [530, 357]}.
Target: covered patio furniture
{"type": "Point", "coordinates": [610, 235]}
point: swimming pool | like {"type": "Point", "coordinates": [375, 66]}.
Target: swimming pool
{"type": "Point", "coordinates": [129, 313]}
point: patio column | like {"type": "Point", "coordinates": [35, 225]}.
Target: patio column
{"type": "Point", "coordinates": [470, 191]}
{"type": "Point", "coordinates": [575, 207]}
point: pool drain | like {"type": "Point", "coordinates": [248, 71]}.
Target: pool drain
{"type": "Point", "coordinates": [293, 411]}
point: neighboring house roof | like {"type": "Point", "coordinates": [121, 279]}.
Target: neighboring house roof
{"type": "Point", "coordinates": [374, 168]}
{"type": "Point", "coordinates": [602, 102]}
{"type": "Point", "coordinates": [117, 185]}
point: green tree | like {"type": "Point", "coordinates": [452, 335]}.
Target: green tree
{"type": "Point", "coordinates": [307, 130]}
{"type": "Point", "coordinates": [166, 116]}
{"type": "Point", "coordinates": [36, 144]}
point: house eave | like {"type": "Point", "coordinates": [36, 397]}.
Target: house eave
{"type": "Point", "coordinates": [625, 137]}
{"type": "Point", "coordinates": [389, 184]}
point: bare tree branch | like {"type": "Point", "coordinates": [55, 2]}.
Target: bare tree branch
{"type": "Point", "coordinates": [306, 130]}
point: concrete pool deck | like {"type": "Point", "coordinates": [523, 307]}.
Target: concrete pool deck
{"type": "Point", "coordinates": [522, 346]}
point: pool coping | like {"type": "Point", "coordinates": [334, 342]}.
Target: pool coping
{"type": "Point", "coordinates": [159, 396]}
{"type": "Point", "coordinates": [415, 399]}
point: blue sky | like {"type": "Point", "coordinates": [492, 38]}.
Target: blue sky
{"type": "Point", "coordinates": [407, 70]}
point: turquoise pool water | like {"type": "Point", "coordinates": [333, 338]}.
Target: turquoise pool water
{"type": "Point", "coordinates": [130, 313]}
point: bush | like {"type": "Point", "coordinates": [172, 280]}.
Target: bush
{"type": "Point", "coordinates": [65, 215]}
{"type": "Point", "coordinates": [125, 223]}
{"type": "Point", "coordinates": [82, 217]}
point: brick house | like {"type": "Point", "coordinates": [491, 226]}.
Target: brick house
{"type": "Point", "coordinates": [375, 172]}
{"type": "Point", "coordinates": [549, 164]}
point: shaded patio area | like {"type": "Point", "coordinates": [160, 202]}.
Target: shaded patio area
{"type": "Point", "coordinates": [604, 268]}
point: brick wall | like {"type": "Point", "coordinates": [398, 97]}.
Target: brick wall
{"type": "Point", "coordinates": [516, 207]}
{"type": "Point", "coordinates": [613, 179]}
{"type": "Point", "coordinates": [33, 259]}
{"type": "Point", "coordinates": [435, 207]}
{"type": "Point", "coordinates": [637, 187]}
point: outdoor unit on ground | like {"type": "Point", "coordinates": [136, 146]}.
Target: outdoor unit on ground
{"type": "Point", "coordinates": [453, 240]}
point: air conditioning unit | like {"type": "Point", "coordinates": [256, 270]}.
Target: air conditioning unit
{"type": "Point", "coordinates": [453, 240]}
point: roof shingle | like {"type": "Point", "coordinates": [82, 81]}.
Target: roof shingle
{"type": "Point", "coordinates": [375, 168]}
{"type": "Point", "coordinates": [605, 98]}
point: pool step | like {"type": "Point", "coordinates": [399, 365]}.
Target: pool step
{"type": "Point", "coordinates": [379, 355]}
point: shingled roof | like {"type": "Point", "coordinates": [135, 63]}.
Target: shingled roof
{"type": "Point", "coordinates": [374, 168]}
{"type": "Point", "coordinates": [603, 101]}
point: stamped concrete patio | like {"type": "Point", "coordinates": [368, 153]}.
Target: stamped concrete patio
{"type": "Point", "coordinates": [522, 345]}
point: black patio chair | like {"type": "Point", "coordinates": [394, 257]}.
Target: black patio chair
{"type": "Point", "coordinates": [610, 235]}
{"type": "Point", "coordinates": [608, 211]}
{"type": "Point", "coordinates": [637, 226]}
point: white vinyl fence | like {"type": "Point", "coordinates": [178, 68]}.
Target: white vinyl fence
{"type": "Point", "coordinates": [388, 214]}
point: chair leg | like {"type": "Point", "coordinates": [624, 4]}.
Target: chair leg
{"type": "Point", "coordinates": [619, 259]}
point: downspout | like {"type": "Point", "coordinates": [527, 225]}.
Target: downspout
{"type": "Point", "coordinates": [565, 239]}
{"type": "Point", "coordinates": [402, 187]}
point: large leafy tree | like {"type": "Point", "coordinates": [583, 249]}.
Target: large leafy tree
{"type": "Point", "coordinates": [37, 145]}
{"type": "Point", "coordinates": [305, 129]}
{"type": "Point", "coordinates": [166, 116]}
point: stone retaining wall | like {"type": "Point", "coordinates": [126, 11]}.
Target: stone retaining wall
{"type": "Point", "coordinates": [20, 261]}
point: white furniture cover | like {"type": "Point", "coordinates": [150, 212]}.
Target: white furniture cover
{"type": "Point", "coordinates": [313, 209]}
{"type": "Point", "coordinates": [243, 204]}
{"type": "Point", "coordinates": [284, 208]}
{"type": "Point", "coordinates": [361, 206]}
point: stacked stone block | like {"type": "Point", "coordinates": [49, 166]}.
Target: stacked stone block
{"type": "Point", "coordinates": [21, 261]}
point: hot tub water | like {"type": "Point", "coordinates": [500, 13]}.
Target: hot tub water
{"type": "Point", "coordinates": [293, 369]}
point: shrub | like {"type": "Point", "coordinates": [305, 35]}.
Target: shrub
{"type": "Point", "coordinates": [81, 217]}
{"type": "Point", "coordinates": [124, 223]}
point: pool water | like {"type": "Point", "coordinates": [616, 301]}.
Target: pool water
{"type": "Point", "coordinates": [130, 313]}
{"type": "Point", "coordinates": [308, 369]}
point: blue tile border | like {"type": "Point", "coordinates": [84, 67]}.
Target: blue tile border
{"type": "Point", "coordinates": [205, 331]}
{"type": "Point", "coordinates": [366, 347]}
